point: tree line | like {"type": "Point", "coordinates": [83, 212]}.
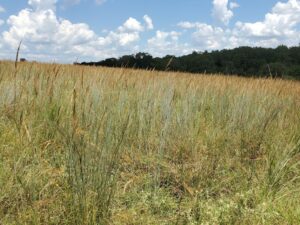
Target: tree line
{"type": "Point", "coordinates": [283, 62]}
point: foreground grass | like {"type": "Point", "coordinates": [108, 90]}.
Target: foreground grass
{"type": "Point", "coordinates": [85, 145]}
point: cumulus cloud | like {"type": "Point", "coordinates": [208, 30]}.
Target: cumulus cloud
{"type": "Point", "coordinates": [233, 5]}
{"type": "Point", "coordinates": [161, 37]}
{"type": "Point", "coordinates": [42, 27]}
{"type": "Point", "coordinates": [278, 26]}
{"type": "Point", "coordinates": [208, 37]}
{"type": "Point", "coordinates": [149, 22]}
{"type": "Point", "coordinates": [131, 25]}
{"type": "Point", "coordinates": [221, 12]}
{"type": "Point", "coordinates": [44, 34]}
{"type": "Point", "coordinates": [126, 34]}
{"type": "Point", "coordinates": [167, 43]}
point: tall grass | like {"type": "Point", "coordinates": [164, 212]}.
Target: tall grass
{"type": "Point", "coordinates": [83, 145]}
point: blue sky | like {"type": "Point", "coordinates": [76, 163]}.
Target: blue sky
{"type": "Point", "coordinates": [64, 30]}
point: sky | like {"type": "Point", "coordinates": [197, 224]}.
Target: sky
{"type": "Point", "coordinates": [91, 30]}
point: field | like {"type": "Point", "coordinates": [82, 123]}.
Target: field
{"type": "Point", "coordinates": [85, 145]}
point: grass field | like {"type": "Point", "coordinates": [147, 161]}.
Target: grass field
{"type": "Point", "coordinates": [84, 145]}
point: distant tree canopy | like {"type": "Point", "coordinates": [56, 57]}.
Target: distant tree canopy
{"type": "Point", "coordinates": [243, 61]}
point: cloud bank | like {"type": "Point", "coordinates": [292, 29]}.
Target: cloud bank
{"type": "Point", "coordinates": [48, 37]}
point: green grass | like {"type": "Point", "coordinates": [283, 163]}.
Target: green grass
{"type": "Point", "coordinates": [83, 145]}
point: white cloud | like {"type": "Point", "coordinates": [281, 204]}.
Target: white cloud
{"type": "Point", "coordinates": [167, 43]}
{"type": "Point", "coordinates": [47, 36]}
{"type": "Point", "coordinates": [126, 34]}
{"type": "Point", "coordinates": [2, 9]}
{"type": "Point", "coordinates": [208, 37]}
{"type": "Point", "coordinates": [1, 22]}
{"type": "Point", "coordinates": [280, 24]}
{"type": "Point", "coordinates": [43, 28]}
{"type": "Point", "coordinates": [149, 22]}
{"type": "Point", "coordinates": [187, 25]}
{"type": "Point", "coordinates": [122, 38]}
{"type": "Point", "coordinates": [221, 12]}
{"type": "Point", "coordinates": [100, 2]}
{"type": "Point", "coordinates": [131, 25]}
{"type": "Point", "coordinates": [233, 5]}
